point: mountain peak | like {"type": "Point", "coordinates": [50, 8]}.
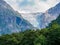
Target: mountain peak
{"type": "Point", "coordinates": [58, 5]}
{"type": "Point", "coordinates": [9, 20]}
{"type": "Point", "coordinates": [5, 5]}
{"type": "Point", "coordinates": [54, 10]}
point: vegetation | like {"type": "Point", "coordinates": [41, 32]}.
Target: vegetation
{"type": "Point", "coordinates": [47, 36]}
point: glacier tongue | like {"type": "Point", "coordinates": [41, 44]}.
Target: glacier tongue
{"type": "Point", "coordinates": [12, 21]}
{"type": "Point", "coordinates": [41, 20]}
{"type": "Point", "coordinates": [31, 18]}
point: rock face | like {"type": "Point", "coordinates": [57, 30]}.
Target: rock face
{"type": "Point", "coordinates": [45, 18]}
{"type": "Point", "coordinates": [55, 10]}
{"type": "Point", "coordinates": [12, 21]}
{"type": "Point", "coordinates": [40, 19]}
{"type": "Point", "coordinates": [9, 22]}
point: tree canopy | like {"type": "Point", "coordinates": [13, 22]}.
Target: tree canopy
{"type": "Point", "coordinates": [47, 36]}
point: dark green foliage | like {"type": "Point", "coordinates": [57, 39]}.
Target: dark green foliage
{"type": "Point", "coordinates": [47, 36]}
{"type": "Point", "coordinates": [30, 37]}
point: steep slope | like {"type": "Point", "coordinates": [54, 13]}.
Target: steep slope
{"type": "Point", "coordinates": [55, 10]}
{"type": "Point", "coordinates": [31, 17]}
{"type": "Point", "coordinates": [54, 22]}
{"type": "Point", "coordinates": [41, 20]}
{"type": "Point", "coordinates": [48, 16]}
{"type": "Point", "coordinates": [9, 21]}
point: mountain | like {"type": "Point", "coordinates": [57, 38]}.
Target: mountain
{"type": "Point", "coordinates": [57, 21]}
{"type": "Point", "coordinates": [46, 36]}
{"type": "Point", "coordinates": [41, 20]}
{"type": "Point", "coordinates": [31, 17]}
{"type": "Point", "coordinates": [51, 14]}
{"type": "Point", "coordinates": [55, 10]}
{"type": "Point", "coordinates": [9, 20]}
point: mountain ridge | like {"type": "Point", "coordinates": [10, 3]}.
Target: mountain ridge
{"type": "Point", "coordinates": [48, 16]}
{"type": "Point", "coordinates": [9, 20]}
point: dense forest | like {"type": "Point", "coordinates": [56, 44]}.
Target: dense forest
{"type": "Point", "coordinates": [47, 36]}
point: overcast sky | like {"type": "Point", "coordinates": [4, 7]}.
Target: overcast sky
{"type": "Point", "coordinates": [26, 6]}
{"type": "Point", "coordinates": [32, 6]}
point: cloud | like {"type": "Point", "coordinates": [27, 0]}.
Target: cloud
{"type": "Point", "coordinates": [31, 18]}
{"type": "Point", "coordinates": [32, 5]}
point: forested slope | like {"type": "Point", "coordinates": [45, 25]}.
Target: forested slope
{"type": "Point", "coordinates": [47, 36]}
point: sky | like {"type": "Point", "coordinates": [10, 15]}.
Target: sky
{"type": "Point", "coordinates": [32, 6]}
